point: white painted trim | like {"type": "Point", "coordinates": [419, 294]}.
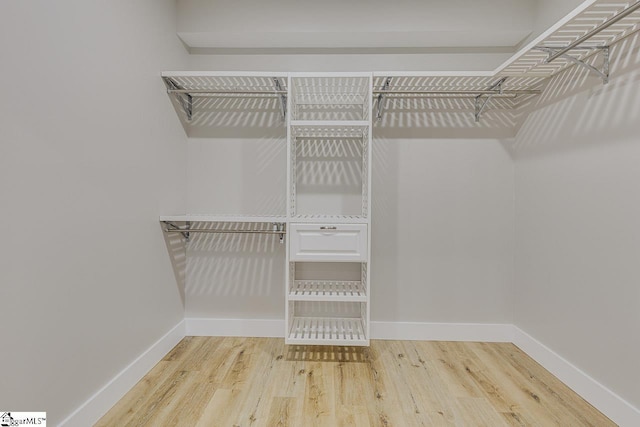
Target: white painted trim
{"type": "Point", "coordinates": [606, 401]}
{"type": "Point", "coordinates": [486, 332]}
{"type": "Point", "coordinates": [235, 327]}
{"type": "Point", "coordinates": [104, 399]}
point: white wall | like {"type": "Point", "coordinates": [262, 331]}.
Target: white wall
{"type": "Point", "coordinates": [442, 238]}
{"type": "Point", "coordinates": [91, 153]}
{"type": "Point", "coordinates": [357, 35]}
{"type": "Point", "coordinates": [227, 275]}
{"type": "Point", "coordinates": [354, 23]}
{"type": "Point", "coordinates": [578, 222]}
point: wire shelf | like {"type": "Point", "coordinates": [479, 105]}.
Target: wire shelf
{"type": "Point", "coordinates": [224, 218]}
{"type": "Point", "coordinates": [533, 62]}
{"type": "Point", "coordinates": [330, 98]}
{"type": "Point", "coordinates": [328, 290]}
{"type": "Point", "coordinates": [329, 129]}
{"type": "Point", "coordinates": [327, 331]}
{"type": "Point", "coordinates": [215, 82]}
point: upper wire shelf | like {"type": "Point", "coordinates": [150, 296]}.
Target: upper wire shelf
{"type": "Point", "coordinates": [213, 83]}
{"type": "Point", "coordinates": [583, 34]}
{"type": "Point", "coordinates": [330, 97]}
{"type": "Point", "coordinates": [185, 86]}
{"type": "Point", "coordinates": [601, 24]}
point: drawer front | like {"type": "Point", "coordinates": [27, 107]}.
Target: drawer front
{"type": "Point", "coordinates": [328, 242]}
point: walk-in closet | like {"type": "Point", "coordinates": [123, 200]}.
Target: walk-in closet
{"type": "Point", "coordinates": [281, 213]}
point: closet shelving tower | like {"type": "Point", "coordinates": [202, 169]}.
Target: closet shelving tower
{"type": "Point", "coordinates": [329, 208]}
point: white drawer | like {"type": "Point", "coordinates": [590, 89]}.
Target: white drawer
{"type": "Point", "coordinates": [328, 242]}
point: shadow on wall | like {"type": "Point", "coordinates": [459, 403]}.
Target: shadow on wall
{"type": "Point", "coordinates": [328, 176]}
{"type": "Point", "coordinates": [237, 176]}
{"type": "Point", "coordinates": [330, 162]}
{"type": "Point", "coordinates": [611, 112]}
{"type": "Point", "coordinates": [264, 177]}
{"type": "Point", "coordinates": [449, 118]}
{"type": "Point", "coordinates": [226, 117]}
{"type": "Point", "coordinates": [247, 273]}
{"type": "Point", "coordinates": [178, 255]}
{"type": "Point", "coordinates": [384, 240]}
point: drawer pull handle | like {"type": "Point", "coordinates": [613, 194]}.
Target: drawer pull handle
{"type": "Point", "coordinates": [328, 228]}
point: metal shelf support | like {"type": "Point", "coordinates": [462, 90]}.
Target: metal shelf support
{"type": "Point", "coordinates": [185, 99]}
{"type": "Point", "coordinates": [279, 227]}
{"type": "Point", "coordinates": [282, 98]}
{"type": "Point", "coordinates": [381, 101]}
{"type": "Point", "coordinates": [172, 228]}
{"type": "Point", "coordinates": [558, 52]}
{"type": "Point", "coordinates": [480, 105]}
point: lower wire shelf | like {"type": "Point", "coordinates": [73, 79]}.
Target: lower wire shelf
{"type": "Point", "coordinates": [328, 290]}
{"type": "Point", "coordinates": [327, 331]}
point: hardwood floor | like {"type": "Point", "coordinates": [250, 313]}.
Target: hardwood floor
{"type": "Point", "coordinates": [207, 381]}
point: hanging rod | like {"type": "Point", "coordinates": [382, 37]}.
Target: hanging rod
{"type": "Point", "coordinates": [228, 92]}
{"type": "Point", "coordinates": [279, 228]}
{"type": "Point", "coordinates": [207, 230]}
{"type": "Point", "coordinates": [469, 96]}
{"type": "Point", "coordinates": [460, 92]}
{"type": "Point", "coordinates": [376, 92]}
{"type": "Point", "coordinates": [629, 10]}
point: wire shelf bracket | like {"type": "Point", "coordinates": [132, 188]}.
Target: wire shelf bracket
{"type": "Point", "coordinates": [279, 227]}
{"type": "Point", "coordinates": [559, 52]}
{"type": "Point", "coordinates": [381, 100]}
{"type": "Point", "coordinates": [185, 99]}
{"type": "Point", "coordinates": [173, 228]}
{"type": "Point", "coordinates": [282, 98]}
{"type": "Point", "coordinates": [480, 104]}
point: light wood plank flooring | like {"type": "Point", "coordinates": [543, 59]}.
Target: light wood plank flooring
{"type": "Point", "coordinates": [207, 381]}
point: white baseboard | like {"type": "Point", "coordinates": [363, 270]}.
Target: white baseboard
{"type": "Point", "coordinates": [613, 406]}
{"type": "Point", "coordinates": [486, 332]}
{"type": "Point", "coordinates": [98, 404]}
{"type": "Point", "coordinates": [235, 327]}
